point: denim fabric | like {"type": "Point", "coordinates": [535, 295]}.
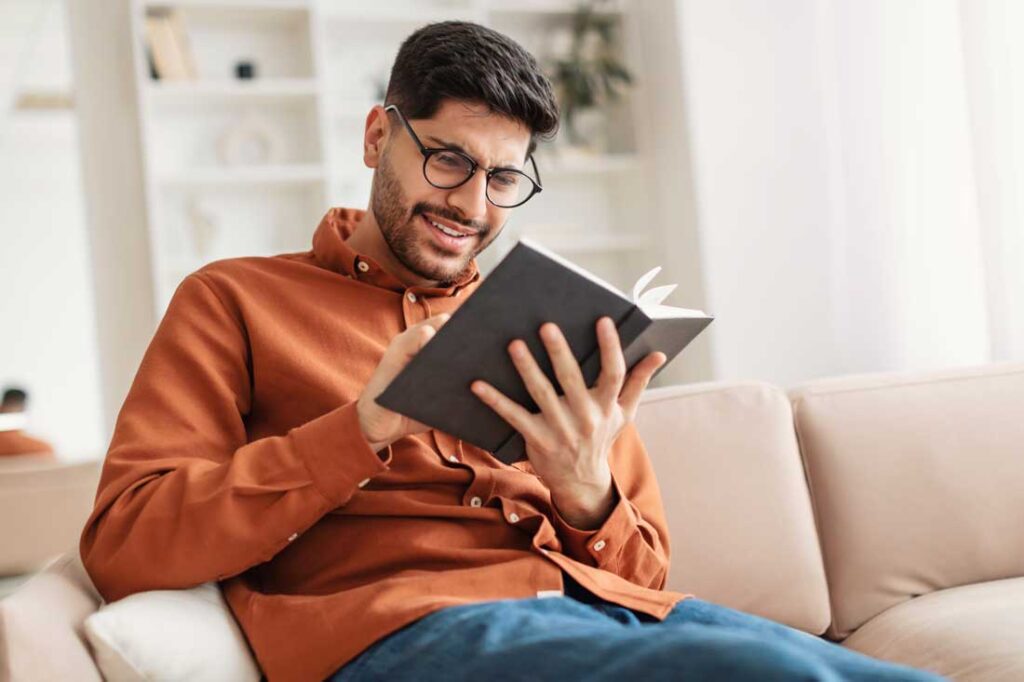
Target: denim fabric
{"type": "Point", "coordinates": [581, 637]}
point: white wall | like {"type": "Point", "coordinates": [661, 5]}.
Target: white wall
{"type": "Point", "coordinates": [835, 190]}
{"type": "Point", "coordinates": [47, 333]}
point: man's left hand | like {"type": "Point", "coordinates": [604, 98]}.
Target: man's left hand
{"type": "Point", "coordinates": [569, 440]}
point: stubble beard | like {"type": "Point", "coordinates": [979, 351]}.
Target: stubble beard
{"type": "Point", "coordinates": [413, 249]}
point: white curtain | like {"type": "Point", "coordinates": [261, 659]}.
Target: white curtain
{"type": "Point", "coordinates": [858, 172]}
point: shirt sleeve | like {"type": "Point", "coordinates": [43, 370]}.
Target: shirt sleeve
{"type": "Point", "coordinates": [633, 541]}
{"type": "Point", "coordinates": [183, 497]}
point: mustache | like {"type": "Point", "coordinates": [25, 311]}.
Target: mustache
{"type": "Point", "coordinates": [421, 208]}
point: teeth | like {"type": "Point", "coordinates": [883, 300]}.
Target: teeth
{"type": "Point", "coordinates": [450, 233]}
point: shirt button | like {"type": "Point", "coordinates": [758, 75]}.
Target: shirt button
{"type": "Point", "coordinates": [363, 266]}
{"type": "Point", "coordinates": [513, 518]}
{"type": "Point", "coordinates": [599, 545]}
{"type": "Point", "coordinates": [475, 502]}
{"type": "Point", "coordinates": [411, 296]}
{"type": "Point", "coordinates": [453, 458]}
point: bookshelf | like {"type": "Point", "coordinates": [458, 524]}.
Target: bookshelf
{"type": "Point", "coordinates": [214, 192]}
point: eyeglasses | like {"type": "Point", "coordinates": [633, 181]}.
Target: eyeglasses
{"type": "Point", "coordinates": [449, 168]}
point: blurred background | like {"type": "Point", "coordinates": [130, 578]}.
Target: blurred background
{"type": "Point", "coordinates": [840, 182]}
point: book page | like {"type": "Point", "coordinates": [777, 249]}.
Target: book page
{"type": "Point", "coordinates": [651, 301]}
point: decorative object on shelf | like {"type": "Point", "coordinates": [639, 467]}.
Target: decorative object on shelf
{"type": "Point", "coordinates": [245, 70]}
{"type": "Point", "coordinates": [167, 45]}
{"type": "Point", "coordinates": [203, 226]}
{"type": "Point", "coordinates": [590, 75]}
{"type": "Point", "coordinates": [251, 141]}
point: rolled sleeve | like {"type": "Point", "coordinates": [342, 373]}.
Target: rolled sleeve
{"type": "Point", "coordinates": [600, 546]}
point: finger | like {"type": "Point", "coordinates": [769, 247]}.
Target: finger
{"type": "Point", "coordinates": [417, 336]}
{"type": "Point", "coordinates": [613, 364]}
{"type": "Point", "coordinates": [638, 379]}
{"type": "Point", "coordinates": [567, 370]}
{"type": "Point", "coordinates": [436, 321]}
{"type": "Point", "coordinates": [518, 417]}
{"type": "Point", "coordinates": [539, 388]}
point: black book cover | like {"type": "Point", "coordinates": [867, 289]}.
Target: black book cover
{"type": "Point", "coordinates": [529, 287]}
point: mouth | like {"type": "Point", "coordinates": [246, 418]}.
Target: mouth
{"type": "Point", "coordinates": [445, 233]}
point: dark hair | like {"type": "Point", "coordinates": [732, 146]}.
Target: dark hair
{"type": "Point", "coordinates": [14, 395]}
{"type": "Point", "coordinates": [465, 61]}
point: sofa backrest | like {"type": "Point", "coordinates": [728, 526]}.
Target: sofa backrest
{"type": "Point", "coordinates": [43, 506]}
{"type": "Point", "coordinates": [739, 513]}
{"type": "Point", "coordinates": [917, 482]}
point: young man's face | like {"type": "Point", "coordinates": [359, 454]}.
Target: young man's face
{"type": "Point", "coordinates": [404, 203]}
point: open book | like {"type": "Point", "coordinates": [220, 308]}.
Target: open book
{"type": "Point", "coordinates": [529, 287]}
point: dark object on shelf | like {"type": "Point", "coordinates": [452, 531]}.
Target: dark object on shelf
{"type": "Point", "coordinates": [245, 70]}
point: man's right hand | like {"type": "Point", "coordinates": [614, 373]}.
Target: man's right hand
{"type": "Point", "coordinates": [381, 426]}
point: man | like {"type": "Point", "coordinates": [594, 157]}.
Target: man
{"type": "Point", "coordinates": [13, 439]}
{"type": "Point", "coordinates": [354, 543]}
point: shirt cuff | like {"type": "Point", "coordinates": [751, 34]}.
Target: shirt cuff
{"type": "Point", "coordinates": [336, 453]}
{"type": "Point", "coordinates": [598, 547]}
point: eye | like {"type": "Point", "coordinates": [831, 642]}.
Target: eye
{"type": "Point", "coordinates": [450, 160]}
{"type": "Point", "coordinates": [505, 179]}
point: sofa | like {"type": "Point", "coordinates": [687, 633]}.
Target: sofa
{"type": "Point", "coordinates": [884, 512]}
{"type": "Point", "coordinates": [43, 504]}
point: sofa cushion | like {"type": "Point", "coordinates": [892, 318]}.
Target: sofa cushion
{"type": "Point", "coordinates": [170, 635]}
{"type": "Point", "coordinates": [972, 633]}
{"type": "Point", "coordinates": [41, 625]}
{"type": "Point", "coordinates": [916, 481]}
{"type": "Point", "coordinates": [739, 513]}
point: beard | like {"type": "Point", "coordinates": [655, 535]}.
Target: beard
{"type": "Point", "coordinates": [414, 249]}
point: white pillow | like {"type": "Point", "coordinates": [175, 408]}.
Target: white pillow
{"type": "Point", "coordinates": [170, 635]}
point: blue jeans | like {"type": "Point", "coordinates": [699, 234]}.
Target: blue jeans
{"type": "Point", "coordinates": [581, 637]}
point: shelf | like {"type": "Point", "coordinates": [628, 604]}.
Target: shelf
{"type": "Point", "coordinates": [397, 13]}
{"type": "Point", "coordinates": [244, 5]}
{"type": "Point", "coordinates": [267, 88]}
{"type": "Point", "coordinates": [585, 164]}
{"type": "Point", "coordinates": [245, 175]}
{"type": "Point", "coordinates": [499, 8]}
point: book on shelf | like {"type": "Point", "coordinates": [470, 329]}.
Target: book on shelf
{"type": "Point", "coordinates": [530, 286]}
{"type": "Point", "coordinates": [168, 47]}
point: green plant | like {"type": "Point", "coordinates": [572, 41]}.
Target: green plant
{"type": "Point", "coordinates": [591, 74]}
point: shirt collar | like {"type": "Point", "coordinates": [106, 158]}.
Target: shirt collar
{"type": "Point", "coordinates": [333, 252]}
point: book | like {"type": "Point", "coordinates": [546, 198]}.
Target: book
{"type": "Point", "coordinates": [530, 286]}
{"type": "Point", "coordinates": [168, 46]}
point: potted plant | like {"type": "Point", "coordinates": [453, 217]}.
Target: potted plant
{"type": "Point", "coordinates": [589, 75]}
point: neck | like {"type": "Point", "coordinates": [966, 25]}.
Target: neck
{"type": "Point", "coordinates": [368, 240]}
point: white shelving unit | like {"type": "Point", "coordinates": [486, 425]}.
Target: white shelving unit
{"type": "Point", "coordinates": [321, 65]}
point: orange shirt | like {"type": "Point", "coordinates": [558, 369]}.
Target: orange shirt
{"type": "Point", "coordinates": [238, 457]}
{"type": "Point", "coordinates": [17, 442]}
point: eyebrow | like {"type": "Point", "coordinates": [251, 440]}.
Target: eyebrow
{"type": "Point", "coordinates": [459, 148]}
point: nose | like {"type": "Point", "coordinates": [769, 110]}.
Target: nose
{"type": "Point", "coordinates": [470, 199]}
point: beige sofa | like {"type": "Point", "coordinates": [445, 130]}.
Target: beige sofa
{"type": "Point", "coordinates": [43, 504]}
{"type": "Point", "coordinates": [886, 512]}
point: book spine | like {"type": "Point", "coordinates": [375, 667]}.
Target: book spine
{"type": "Point", "coordinates": [630, 328]}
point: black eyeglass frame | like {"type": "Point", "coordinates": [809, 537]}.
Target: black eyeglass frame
{"type": "Point", "coordinates": [427, 152]}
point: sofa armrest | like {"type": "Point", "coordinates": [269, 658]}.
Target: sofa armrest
{"type": "Point", "coordinates": [41, 636]}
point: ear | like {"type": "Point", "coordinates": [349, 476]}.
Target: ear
{"type": "Point", "coordinates": [375, 135]}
